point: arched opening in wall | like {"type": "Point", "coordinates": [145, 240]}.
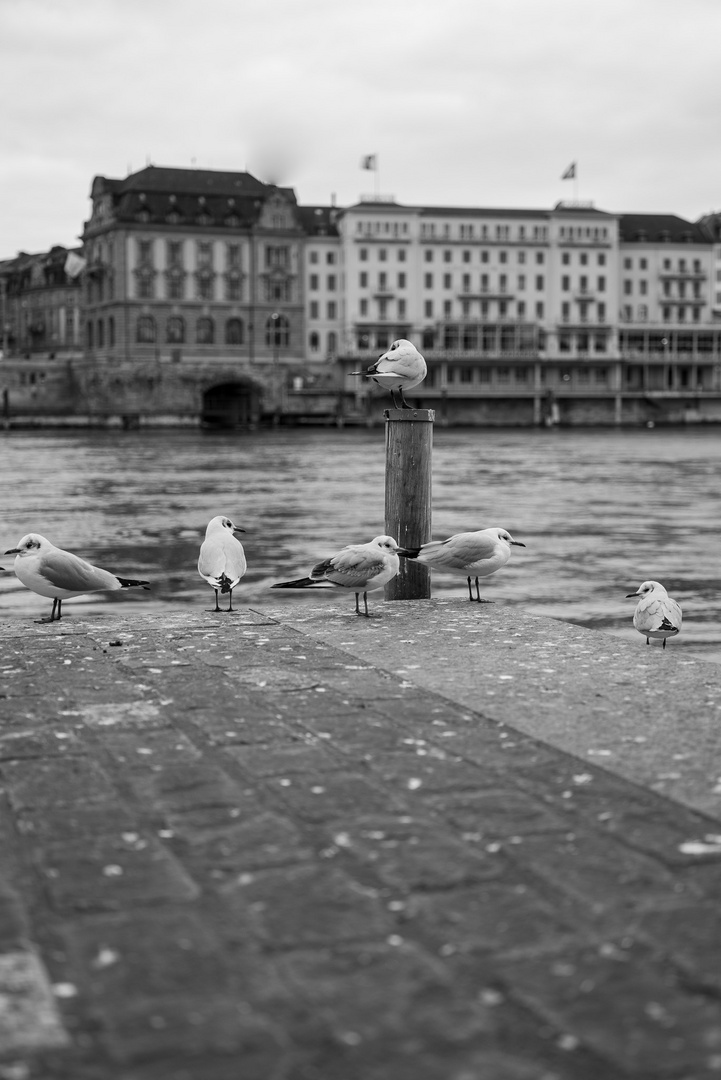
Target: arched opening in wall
{"type": "Point", "coordinates": [232, 406]}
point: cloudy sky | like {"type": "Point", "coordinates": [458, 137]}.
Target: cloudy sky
{"type": "Point", "coordinates": [464, 102]}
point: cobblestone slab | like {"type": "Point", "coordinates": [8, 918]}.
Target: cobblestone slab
{"type": "Point", "coordinates": [236, 847]}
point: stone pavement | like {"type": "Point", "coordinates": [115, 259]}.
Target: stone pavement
{"type": "Point", "coordinates": [298, 845]}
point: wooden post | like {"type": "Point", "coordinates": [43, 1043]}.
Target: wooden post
{"type": "Point", "coordinates": [409, 452]}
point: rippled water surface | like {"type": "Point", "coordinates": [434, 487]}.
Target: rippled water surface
{"type": "Point", "coordinates": [599, 510]}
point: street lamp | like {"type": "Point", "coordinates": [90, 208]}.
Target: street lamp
{"type": "Point", "coordinates": [275, 318]}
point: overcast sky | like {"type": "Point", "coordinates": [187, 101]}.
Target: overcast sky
{"type": "Point", "coordinates": [464, 102]}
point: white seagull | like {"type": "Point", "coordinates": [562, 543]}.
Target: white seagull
{"type": "Point", "coordinates": [360, 567]}
{"type": "Point", "coordinates": [657, 615]}
{"type": "Point", "coordinates": [50, 571]}
{"type": "Point", "coordinates": [222, 560]}
{"type": "Point", "coordinates": [401, 367]}
{"type": "Point", "coordinates": [471, 554]}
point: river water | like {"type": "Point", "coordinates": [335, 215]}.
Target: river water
{"type": "Point", "coordinates": [600, 511]}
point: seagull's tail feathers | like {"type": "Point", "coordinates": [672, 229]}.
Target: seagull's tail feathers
{"type": "Point", "coordinates": [225, 583]}
{"type": "Point", "coordinates": [127, 583]}
{"type": "Point", "coordinates": [668, 626]}
{"type": "Point", "coordinates": [301, 583]}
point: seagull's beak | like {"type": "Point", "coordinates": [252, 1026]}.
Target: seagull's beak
{"type": "Point", "coordinates": [407, 552]}
{"type": "Point", "coordinates": [630, 594]}
{"type": "Point", "coordinates": [518, 543]}
{"type": "Point", "coordinates": [237, 528]}
{"type": "Point", "coordinates": [13, 551]}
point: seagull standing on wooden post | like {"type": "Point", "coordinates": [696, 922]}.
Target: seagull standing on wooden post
{"type": "Point", "coordinates": [401, 367]}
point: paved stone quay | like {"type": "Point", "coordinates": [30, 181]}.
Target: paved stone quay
{"type": "Point", "coordinates": [455, 842]}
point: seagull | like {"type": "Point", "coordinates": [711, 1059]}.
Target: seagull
{"type": "Point", "coordinates": [656, 614]}
{"type": "Point", "coordinates": [360, 567]}
{"type": "Point", "coordinates": [50, 571]}
{"type": "Point", "coordinates": [472, 554]}
{"type": "Point", "coordinates": [401, 367]}
{"type": "Point", "coordinates": [222, 560]}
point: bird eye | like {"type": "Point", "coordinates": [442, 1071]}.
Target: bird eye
{"type": "Point", "coordinates": [394, 346]}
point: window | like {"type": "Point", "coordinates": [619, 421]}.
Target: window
{"type": "Point", "coordinates": [314, 341]}
{"type": "Point", "coordinates": [330, 283]}
{"type": "Point", "coordinates": [276, 256]}
{"type": "Point", "coordinates": [539, 309]}
{"type": "Point", "coordinates": [503, 256]}
{"type": "Point", "coordinates": [401, 281]}
{"type": "Point", "coordinates": [521, 257]}
{"type": "Point", "coordinates": [145, 330]}
{"type": "Point", "coordinates": [313, 311]}
{"type": "Point", "coordinates": [111, 331]}
{"type": "Point", "coordinates": [204, 253]}
{"type": "Point", "coordinates": [627, 264]}
{"type": "Point", "coordinates": [601, 259]}
{"type": "Point", "coordinates": [363, 254]}
{"type": "Point", "coordinates": [428, 309]}
{"type": "Point", "coordinates": [428, 281]}
{"type": "Point", "coordinates": [565, 258]}
{"type": "Point", "coordinates": [643, 264]}
{"type": "Point", "coordinates": [565, 283]}
{"type": "Point", "coordinates": [332, 309]}
{"type": "Point", "coordinates": [401, 309]}
{"type": "Point", "coordinates": [643, 288]}
{"type": "Point", "coordinates": [313, 281]}
{"type": "Point", "coordinates": [539, 258]}
{"type": "Point", "coordinates": [401, 254]}
{"type": "Point", "coordinates": [447, 281]}
{"type": "Point", "coordinates": [446, 256]}
{"type": "Point", "coordinates": [539, 282]}
{"type": "Point", "coordinates": [584, 259]}
{"type": "Point", "coordinates": [382, 254]}
{"type": "Point", "coordinates": [601, 284]}
{"type": "Point", "coordinates": [277, 331]}
{"type": "Point", "coordinates": [428, 255]}
{"type": "Point", "coordinates": [382, 281]}
{"type": "Point", "coordinates": [314, 257]}
{"type": "Point", "coordinates": [363, 308]}
{"type": "Point", "coordinates": [175, 330]}
{"type": "Point", "coordinates": [466, 256]}
{"type": "Point", "coordinates": [330, 258]}
{"type": "Point", "coordinates": [204, 331]}
{"type": "Point", "coordinates": [521, 281]}
{"type": "Point", "coordinates": [484, 256]}
{"type": "Point", "coordinates": [627, 287]}
{"type": "Point", "coordinates": [234, 332]}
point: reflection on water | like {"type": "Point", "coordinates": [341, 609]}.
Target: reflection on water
{"type": "Point", "coordinates": [599, 511]}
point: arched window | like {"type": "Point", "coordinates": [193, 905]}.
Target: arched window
{"type": "Point", "coordinates": [332, 343]}
{"type": "Point", "coordinates": [204, 331]}
{"type": "Point", "coordinates": [175, 330]}
{"type": "Point", "coordinates": [234, 332]}
{"type": "Point", "coordinates": [277, 331]}
{"type": "Point", "coordinates": [90, 335]}
{"type": "Point", "coordinates": [145, 332]}
{"type": "Point", "coordinates": [111, 330]}
{"type": "Point", "coordinates": [314, 341]}
{"type": "Point", "coordinates": [101, 334]}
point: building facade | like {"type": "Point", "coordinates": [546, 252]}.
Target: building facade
{"type": "Point", "coordinates": [211, 295]}
{"type": "Point", "coordinates": [530, 316]}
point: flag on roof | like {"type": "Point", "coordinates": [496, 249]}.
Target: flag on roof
{"type": "Point", "coordinates": [74, 264]}
{"type": "Point", "coordinates": [570, 173]}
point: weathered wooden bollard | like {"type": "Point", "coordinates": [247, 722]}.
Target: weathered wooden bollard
{"type": "Point", "coordinates": [409, 453]}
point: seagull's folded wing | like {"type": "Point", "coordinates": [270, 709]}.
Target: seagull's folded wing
{"type": "Point", "coordinates": [354, 566]}
{"type": "Point", "coordinates": [458, 551]}
{"type": "Point", "coordinates": [64, 570]}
